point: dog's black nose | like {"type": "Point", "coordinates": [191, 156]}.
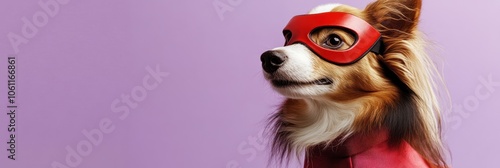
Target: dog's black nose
{"type": "Point", "coordinates": [272, 60]}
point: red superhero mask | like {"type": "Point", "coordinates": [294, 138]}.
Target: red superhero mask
{"type": "Point", "coordinates": [368, 39]}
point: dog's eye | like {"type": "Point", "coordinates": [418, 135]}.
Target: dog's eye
{"type": "Point", "coordinates": [333, 41]}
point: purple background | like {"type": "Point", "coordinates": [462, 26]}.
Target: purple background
{"type": "Point", "coordinates": [214, 99]}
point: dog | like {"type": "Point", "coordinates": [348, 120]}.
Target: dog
{"type": "Point", "coordinates": [359, 87]}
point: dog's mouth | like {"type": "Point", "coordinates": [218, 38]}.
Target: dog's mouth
{"type": "Point", "coordinates": [287, 83]}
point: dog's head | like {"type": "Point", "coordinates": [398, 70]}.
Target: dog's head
{"type": "Point", "coordinates": [387, 85]}
{"type": "Point", "coordinates": [297, 71]}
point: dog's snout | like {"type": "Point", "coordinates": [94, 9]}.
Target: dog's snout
{"type": "Point", "coordinates": [272, 60]}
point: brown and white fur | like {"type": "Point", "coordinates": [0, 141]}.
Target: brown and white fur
{"type": "Point", "coordinates": [393, 91]}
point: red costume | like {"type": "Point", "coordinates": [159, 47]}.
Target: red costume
{"type": "Point", "coordinates": [366, 151]}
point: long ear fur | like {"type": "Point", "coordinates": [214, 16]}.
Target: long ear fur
{"type": "Point", "coordinates": [405, 56]}
{"type": "Point", "coordinates": [395, 18]}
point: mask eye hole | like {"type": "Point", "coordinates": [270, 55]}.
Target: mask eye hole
{"type": "Point", "coordinates": [333, 38]}
{"type": "Point", "coordinates": [333, 41]}
{"type": "Point", "coordinates": [287, 34]}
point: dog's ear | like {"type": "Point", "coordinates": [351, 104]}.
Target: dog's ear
{"type": "Point", "coordinates": [397, 21]}
{"type": "Point", "coordinates": [394, 18]}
